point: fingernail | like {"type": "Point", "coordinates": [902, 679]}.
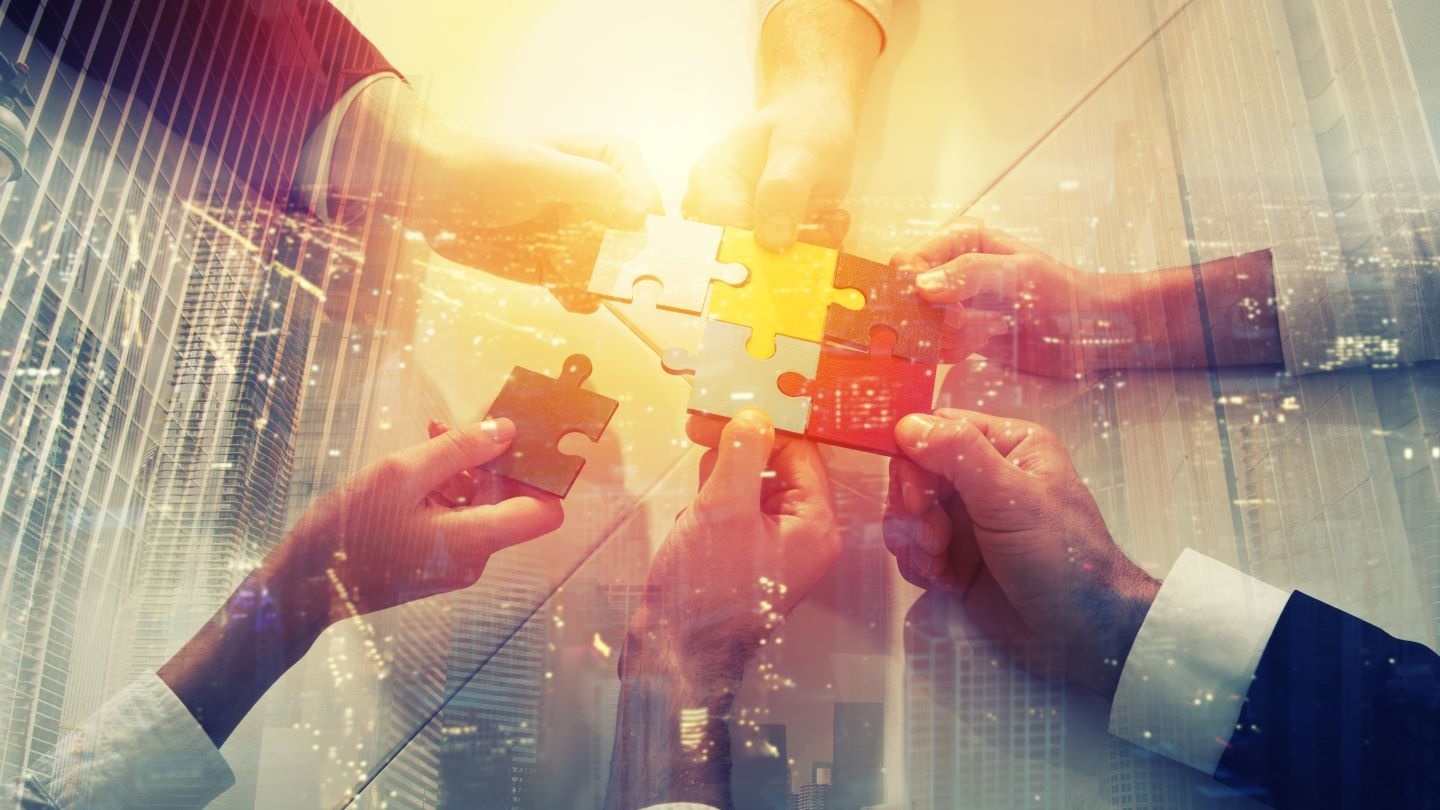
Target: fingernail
{"type": "Point", "coordinates": [778, 231]}
{"type": "Point", "coordinates": [499, 431]}
{"type": "Point", "coordinates": [914, 429]}
{"type": "Point", "coordinates": [932, 281]}
{"type": "Point", "coordinates": [753, 418]}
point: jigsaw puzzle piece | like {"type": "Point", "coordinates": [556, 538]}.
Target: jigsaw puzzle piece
{"type": "Point", "coordinates": [787, 293]}
{"type": "Point", "coordinates": [891, 301]}
{"type": "Point", "coordinates": [677, 253]}
{"type": "Point", "coordinates": [857, 398]}
{"type": "Point", "coordinates": [544, 410]}
{"type": "Point", "coordinates": [728, 378]}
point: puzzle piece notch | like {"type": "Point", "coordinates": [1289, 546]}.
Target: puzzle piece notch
{"type": "Point", "coordinates": [728, 378]}
{"type": "Point", "coordinates": [678, 254]}
{"type": "Point", "coordinates": [544, 411]}
{"type": "Point", "coordinates": [787, 293]}
{"type": "Point", "coordinates": [891, 301]}
{"type": "Point", "coordinates": [857, 398]}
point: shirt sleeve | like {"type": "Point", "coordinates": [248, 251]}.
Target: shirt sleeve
{"type": "Point", "coordinates": [143, 748]}
{"type": "Point", "coordinates": [879, 11]}
{"type": "Point", "coordinates": [1192, 662]}
{"type": "Point", "coordinates": [312, 186]}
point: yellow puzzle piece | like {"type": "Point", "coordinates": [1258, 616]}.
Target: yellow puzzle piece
{"type": "Point", "coordinates": [786, 294]}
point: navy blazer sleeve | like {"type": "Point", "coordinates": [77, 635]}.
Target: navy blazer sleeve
{"type": "Point", "coordinates": [247, 78]}
{"type": "Point", "coordinates": [1339, 715]}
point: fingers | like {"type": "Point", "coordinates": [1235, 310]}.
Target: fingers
{"type": "Point", "coordinates": [958, 236]}
{"type": "Point", "coordinates": [705, 430]}
{"type": "Point", "coordinates": [782, 194]}
{"type": "Point", "coordinates": [625, 158]}
{"type": "Point", "coordinates": [487, 529]}
{"type": "Point", "coordinates": [968, 275]}
{"type": "Point", "coordinates": [595, 188]}
{"type": "Point", "coordinates": [722, 189]}
{"type": "Point", "coordinates": [800, 485]}
{"type": "Point", "coordinates": [429, 465]}
{"type": "Point", "coordinates": [958, 447]}
{"type": "Point", "coordinates": [741, 457]}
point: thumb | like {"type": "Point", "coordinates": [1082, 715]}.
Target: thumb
{"type": "Point", "coordinates": [741, 457]}
{"type": "Point", "coordinates": [792, 171]}
{"type": "Point", "coordinates": [957, 448]}
{"type": "Point", "coordinates": [454, 451]}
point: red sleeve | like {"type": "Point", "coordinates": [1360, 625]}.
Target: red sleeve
{"type": "Point", "coordinates": [247, 78]}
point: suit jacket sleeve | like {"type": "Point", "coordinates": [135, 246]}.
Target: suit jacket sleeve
{"type": "Point", "coordinates": [1339, 715]}
{"type": "Point", "coordinates": [247, 78]}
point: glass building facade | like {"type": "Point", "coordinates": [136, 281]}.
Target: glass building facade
{"type": "Point", "coordinates": [184, 369]}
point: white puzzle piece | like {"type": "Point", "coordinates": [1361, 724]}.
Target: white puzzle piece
{"type": "Point", "coordinates": [728, 378]}
{"type": "Point", "coordinates": [677, 253]}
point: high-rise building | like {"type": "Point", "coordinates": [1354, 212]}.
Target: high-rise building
{"type": "Point", "coordinates": [95, 257]}
{"type": "Point", "coordinates": [760, 769]}
{"type": "Point", "coordinates": [858, 779]}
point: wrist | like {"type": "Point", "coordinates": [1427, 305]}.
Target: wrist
{"type": "Point", "coordinates": [704, 666]}
{"type": "Point", "coordinates": [1113, 609]}
{"type": "Point", "coordinates": [300, 576]}
{"type": "Point", "coordinates": [820, 48]}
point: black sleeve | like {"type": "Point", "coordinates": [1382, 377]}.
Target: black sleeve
{"type": "Point", "coordinates": [1340, 715]}
{"type": "Point", "coordinates": [247, 78]}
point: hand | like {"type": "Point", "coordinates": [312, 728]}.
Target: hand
{"type": "Point", "coordinates": [759, 536]}
{"type": "Point", "coordinates": [1011, 302]}
{"type": "Point", "coordinates": [421, 522]}
{"type": "Point", "coordinates": [1020, 307]}
{"type": "Point", "coordinates": [992, 511]}
{"type": "Point", "coordinates": [786, 165]}
{"type": "Point", "coordinates": [529, 210]}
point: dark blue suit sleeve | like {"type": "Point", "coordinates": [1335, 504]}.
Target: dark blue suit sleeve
{"type": "Point", "coordinates": [1340, 715]}
{"type": "Point", "coordinates": [247, 78]}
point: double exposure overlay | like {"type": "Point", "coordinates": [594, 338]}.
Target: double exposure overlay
{"type": "Point", "coordinates": [981, 404]}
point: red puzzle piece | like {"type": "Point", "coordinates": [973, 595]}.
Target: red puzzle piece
{"type": "Point", "coordinates": [856, 398]}
{"type": "Point", "coordinates": [544, 410]}
{"type": "Point", "coordinates": [892, 301]}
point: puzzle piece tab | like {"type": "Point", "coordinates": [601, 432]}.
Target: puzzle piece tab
{"type": "Point", "coordinates": [544, 410]}
{"type": "Point", "coordinates": [856, 399]}
{"type": "Point", "coordinates": [728, 378]}
{"type": "Point", "coordinates": [892, 301]}
{"type": "Point", "coordinates": [677, 253]}
{"type": "Point", "coordinates": [787, 293]}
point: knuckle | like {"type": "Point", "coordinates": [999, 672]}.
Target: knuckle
{"type": "Point", "coordinates": [388, 473]}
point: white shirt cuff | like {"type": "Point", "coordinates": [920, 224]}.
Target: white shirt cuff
{"type": "Point", "coordinates": [143, 748]}
{"type": "Point", "coordinates": [679, 806]}
{"type": "Point", "coordinates": [312, 181]}
{"type": "Point", "coordinates": [879, 11]}
{"type": "Point", "coordinates": [1187, 674]}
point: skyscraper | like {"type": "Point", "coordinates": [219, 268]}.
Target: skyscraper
{"type": "Point", "coordinates": [859, 756]}
{"type": "Point", "coordinates": [94, 262]}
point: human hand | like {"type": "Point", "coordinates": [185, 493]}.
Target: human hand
{"type": "Point", "coordinates": [533, 211]}
{"type": "Point", "coordinates": [759, 536]}
{"type": "Point", "coordinates": [1011, 302]}
{"type": "Point", "coordinates": [529, 210]}
{"type": "Point", "coordinates": [785, 166]}
{"type": "Point", "coordinates": [417, 523]}
{"type": "Point", "coordinates": [992, 511]}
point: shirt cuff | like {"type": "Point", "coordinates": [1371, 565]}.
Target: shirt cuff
{"type": "Point", "coordinates": [143, 748]}
{"type": "Point", "coordinates": [1185, 679]}
{"type": "Point", "coordinates": [879, 11]}
{"type": "Point", "coordinates": [312, 180]}
{"type": "Point", "coordinates": [679, 806]}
